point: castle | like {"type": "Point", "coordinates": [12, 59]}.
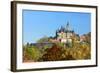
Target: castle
{"type": "Point", "coordinates": [64, 34]}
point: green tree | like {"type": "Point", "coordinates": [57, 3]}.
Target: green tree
{"type": "Point", "coordinates": [32, 53]}
{"type": "Point", "coordinates": [43, 40]}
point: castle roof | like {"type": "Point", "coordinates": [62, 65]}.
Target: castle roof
{"type": "Point", "coordinates": [67, 28]}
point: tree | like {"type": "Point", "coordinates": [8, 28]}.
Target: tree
{"type": "Point", "coordinates": [53, 54]}
{"type": "Point", "coordinates": [43, 40]}
{"type": "Point", "coordinates": [31, 54]}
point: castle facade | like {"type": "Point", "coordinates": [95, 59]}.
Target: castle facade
{"type": "Point", "coordinates": [64, 34]}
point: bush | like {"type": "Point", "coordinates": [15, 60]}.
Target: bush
{"type": "Point", "coordinates": [32, 53]}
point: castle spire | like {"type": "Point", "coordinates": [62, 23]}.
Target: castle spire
{"type": "Point", "coordinates": [62, 28]}
{"type": "Point", "coordinates": [68, 28]}
{"type": "Point", "coordinates": [67, 23]}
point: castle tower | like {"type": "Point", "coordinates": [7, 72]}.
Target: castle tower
{"type": "Point", "coordinates": [68, 28]}
{"type": "Point", "coordinates": [64, 34]}
{"type": "Point", "coordinates": [69, 31]}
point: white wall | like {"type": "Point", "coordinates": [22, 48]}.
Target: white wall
{"type": "Point", "coordinates": [5, 37]}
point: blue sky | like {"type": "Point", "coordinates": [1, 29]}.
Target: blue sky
{"type": "Point", "coordinates": [37, 24]}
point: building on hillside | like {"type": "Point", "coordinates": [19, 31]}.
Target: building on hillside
{"type": "Point", "coordinates": [64, 34]}
{"type": "Point", "coordinates": [67, 36]}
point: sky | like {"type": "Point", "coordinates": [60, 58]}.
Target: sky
{"type": "Point", "coordinates": [37, 24]}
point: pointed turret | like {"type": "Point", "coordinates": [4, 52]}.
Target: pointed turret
{"type": "Point", "coordinates": [62, 29]}
{"type": "Point", "coordinates": [68, 28]}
